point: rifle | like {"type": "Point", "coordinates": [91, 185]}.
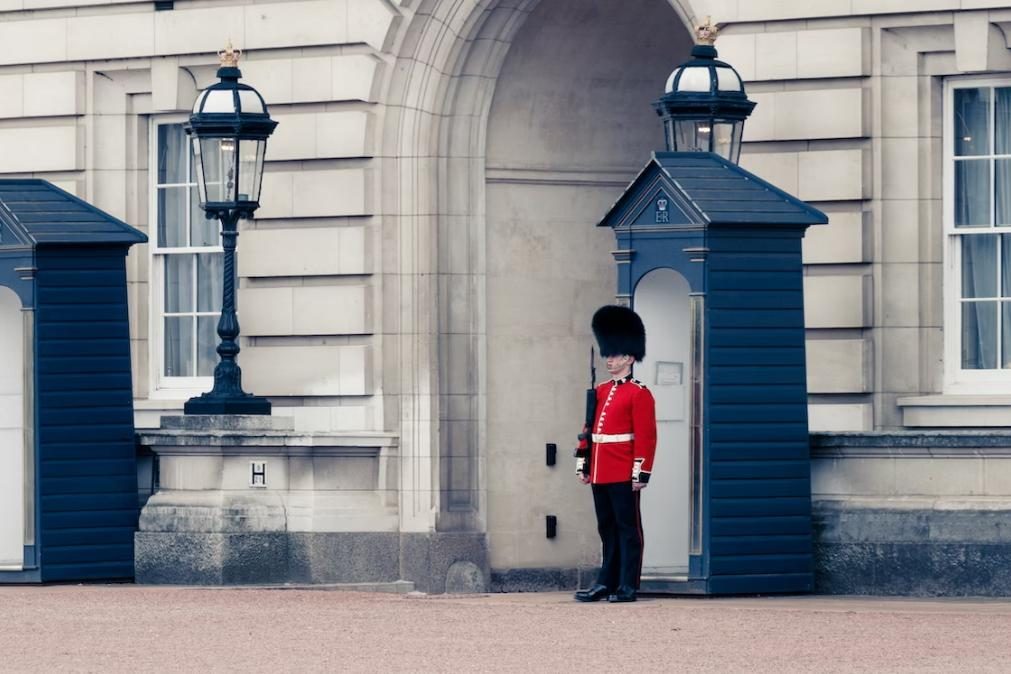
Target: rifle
{"type": "Point", "coordinates": [582, 453]}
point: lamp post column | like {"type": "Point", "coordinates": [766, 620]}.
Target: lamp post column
{"type": "Point", "coordinates": [227, 396]}
{"type": "Point", "coordinates": [228, 133]}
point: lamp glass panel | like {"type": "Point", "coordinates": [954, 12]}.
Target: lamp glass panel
{"type": "Point", "coordinates": [735, 150]}
{"type": "Point", "coordinates": [261, 154]}
{"type": "Point", "coordinates": [669, 86]}
{"type": "Point", "coordinates": [695, 79]}
{"type": "Point", "coordinates": [693, 135]}
{"type": "Point", "coordinates": [669, 134]}
{"type": "Point", "coordinates": [250, 166]}
{"type": "Point", "coordinates": [250, 101]}
{"type": "Point", "coordinates": [684, 135]}
{"type": "Point", "coordinates": [704, 135]}
{"type": "Point", "coordinates": [219, 100]}
{"type": "Point", "coordinates": [201, 186]}
{"type": "Point", "coordinates": [728, 80]}
{"type": "Point", "coordinates": [219, 164]}
{"type": "Point", "coordinates": [723, 140]}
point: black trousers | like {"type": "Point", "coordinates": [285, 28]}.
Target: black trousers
{"type": "Point", "coordinates": [620, 526]}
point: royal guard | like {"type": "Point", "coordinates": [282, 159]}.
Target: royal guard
{"type": "Point", "coordinates": [615, 454]}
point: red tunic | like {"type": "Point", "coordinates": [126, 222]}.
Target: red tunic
{"type": "Point", "coordinates": [624, 433]}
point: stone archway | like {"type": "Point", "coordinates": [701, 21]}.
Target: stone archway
{"type": "Point", "coordinates": [434, 172]}
{"type": "Point", "coordinates": [570, 125]}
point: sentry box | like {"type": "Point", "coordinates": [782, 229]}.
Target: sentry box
{"type": "Point", "coordinates": [68, 473]}
{"type": "Point", "coordinates": [709, 255]}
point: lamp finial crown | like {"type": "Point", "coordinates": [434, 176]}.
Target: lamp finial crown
{"type": "Point", "coordinates": [230, 56]}
{"type": "Point", "coordinates": [706, 33]}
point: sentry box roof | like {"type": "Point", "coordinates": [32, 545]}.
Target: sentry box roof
{"type": "Point", "coordinates": [35, 212]}
{"type": "Point", "coordinates": [705, 189]}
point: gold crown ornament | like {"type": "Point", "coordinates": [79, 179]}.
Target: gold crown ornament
{"type": "Point", "coordinates": [707, 32]}
{"type": "Point", "coordinates": [230, 56]}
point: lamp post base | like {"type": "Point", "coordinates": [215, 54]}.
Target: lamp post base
{"type": "Point", "coordinates": [211, 404]}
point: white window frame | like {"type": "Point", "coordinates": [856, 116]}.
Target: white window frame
{"type": "Point", "coordinates": [956, 379]}
{"type": "Point", "coordinates": [163, 387]}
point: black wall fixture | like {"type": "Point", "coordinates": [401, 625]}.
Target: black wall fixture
{"type": "Point", "coordinates": [551, 454]}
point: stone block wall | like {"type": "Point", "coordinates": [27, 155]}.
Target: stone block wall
{"type": "Point", "coordinates": [850, 117]}
{"type": "Point", "coordinates": [811, 135]}
{"type": "Point", "coordinates": [78, 110]}
{"type": "Point", "coordinates": [912, 513]}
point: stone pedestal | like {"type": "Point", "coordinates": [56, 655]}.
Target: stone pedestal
{"type": "Point", "coordinates": [912, 513]}
{"type": "Point", "coordinates": [247, 500]}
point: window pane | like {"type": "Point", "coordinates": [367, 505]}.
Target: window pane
{"type": "Point", "coordinates": [203, 231]}
{"type": "Point", "coordinates": [1002, 120]}
{"type": "Point", "coordinates": [207, 344]}
{"type": "Point", "coordinates": [1005, 335]}
{"type": "Point", "coordinates": [172, 217]}
{"type": "Point", "coordinates": [972, 121]}
{"type": "Point", "coordinates": [972, 193]}
{"type": "Point", "coordinates": [979, 266]}
{"type": "Point", "coordinates": [979, 335]}
{"type": "Point", "coordinates": [1005, 268]}
{"type": "Point", "coordinates": [179, 346]}
{"type": "Point", "coordinates": [173, 146]}
{"type": "Point", "coordinates": [1002, 192]}
{"type": "Point", "coordinates": [178, 283]}
{"type": "Point", "coordinates": [210, 275]}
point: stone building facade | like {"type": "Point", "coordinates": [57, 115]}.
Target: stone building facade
{"type": "Point", "coordinates": [419, 277]}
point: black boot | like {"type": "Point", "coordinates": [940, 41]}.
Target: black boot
{"type": "Point", "coordinates": [594, 593]}
{"type": "Point", "coordinates": [624, 594]}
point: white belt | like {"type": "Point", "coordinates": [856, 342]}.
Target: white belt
{"type": "Point", "coordinates": [601, 438]}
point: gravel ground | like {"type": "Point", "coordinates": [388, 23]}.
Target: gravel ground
{"type": "Point", "coordinates": [131, 628]}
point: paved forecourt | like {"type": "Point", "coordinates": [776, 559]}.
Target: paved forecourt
{"type": "Point", "coordinates": [121, 628]}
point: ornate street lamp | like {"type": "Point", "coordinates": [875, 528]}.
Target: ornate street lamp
{"type": "Point", "coordinates": [228, 130]}
{"type": "Point", "coordinates": [705, 105]}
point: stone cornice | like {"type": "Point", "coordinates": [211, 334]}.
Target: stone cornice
{"type": "Point", "coordinates": [287, 443]}
{"type": "Point", "coordinates": [912, 444]}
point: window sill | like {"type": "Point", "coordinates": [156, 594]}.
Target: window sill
{"type": "Point", "coordinates": [147, 412]}
{"type": "Point", "coordinates": [956, 411]}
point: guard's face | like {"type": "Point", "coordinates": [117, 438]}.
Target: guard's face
{"type": "Point", "coordinates": [619, 365]}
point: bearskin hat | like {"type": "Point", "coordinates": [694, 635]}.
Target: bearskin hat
{"type": "Point", "coordinates": [619, 331]}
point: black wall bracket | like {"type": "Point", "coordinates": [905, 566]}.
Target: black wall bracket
{"type": "Point", "coordinates": [551, 454]}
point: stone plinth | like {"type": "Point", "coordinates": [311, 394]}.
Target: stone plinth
{"type": "Point", "coordinates": [912, 513]}
{"type": "Point", "coordinates": [246, 499]}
